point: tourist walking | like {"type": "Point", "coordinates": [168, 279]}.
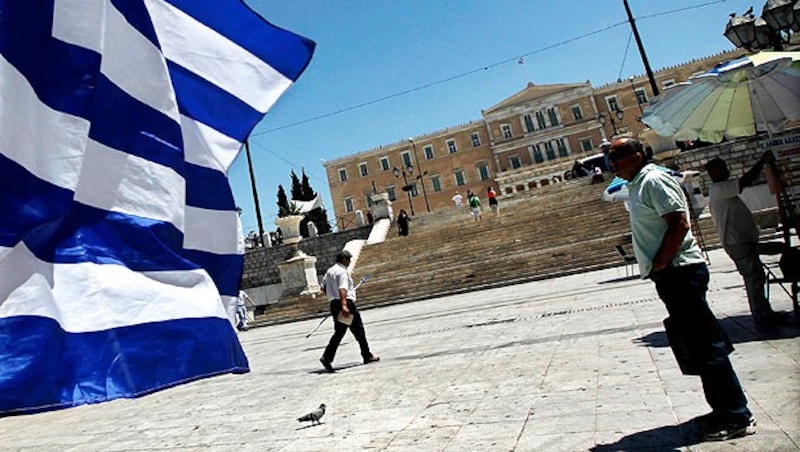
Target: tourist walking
{"type": "Point", "coordinates": [669, 255]}
{"type": "Point", "coordinates": [493, 205]}
{"type": "Point", "coordinates": [402, 223]}
{"type": "Point", "coordinates": [241, 310]}
{"type": "Point", "coordinates": [458, 200]}
{"type": "Point", "coordinates": [474, 205]}
{"type": "Point", "coordinates": [338, 286]}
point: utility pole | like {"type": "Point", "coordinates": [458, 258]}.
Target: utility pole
{"type": "Point", "coordinates": [653, 84]}
{"type": "Point", "coordinates": [255, 193]}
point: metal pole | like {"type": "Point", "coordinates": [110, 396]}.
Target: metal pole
{"type": "Point", "coordinates": [255, 193]}
{"type": "Point", "coordinates": [649, 71]}
{"type": "Point", "coordinates": [420, 175]}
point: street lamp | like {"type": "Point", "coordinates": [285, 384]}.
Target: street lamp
{"type": "Point", "coordinates": [422, 181]}
{"type": "Point", "coordinates": [601, 118]}
{"type": "Point", "coordinates": [779, 20]}
{"type": "Point", "coordinates": [406, 188]}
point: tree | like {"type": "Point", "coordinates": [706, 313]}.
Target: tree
{"type": "Point", "coordinates": [283, 203]}
{"type": "Point", "coordinates": [297, 189]}
{"type": "Point", "coordinates": [307, 192]}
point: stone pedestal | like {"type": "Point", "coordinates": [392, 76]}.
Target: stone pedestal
{"type": "Point", "coordinates": [299, 275]}
{"type": "Point", "coordinates": [290, 228]}
{"type": "Point", "coordinates": [381, 206]}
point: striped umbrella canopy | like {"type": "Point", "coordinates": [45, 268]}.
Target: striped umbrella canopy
{"type": "Point", "coordinates": [739, 98]}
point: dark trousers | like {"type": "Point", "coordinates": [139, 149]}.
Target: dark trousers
{"type": "Point", "coordinates": [357, 328]}
{"type": "Point", "coordinates": [697, 340]}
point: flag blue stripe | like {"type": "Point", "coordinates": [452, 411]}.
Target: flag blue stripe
{"type": "Point", "coordinates": [286, 52]}
{"type": "Point", "coordinates": [208, 188]}
{"type": "Point", "coordinates": [224, 269]}
{"type": "Point", "coordinates": [54, 368]}
{"type": "Point", "coordinates": [205, 102]}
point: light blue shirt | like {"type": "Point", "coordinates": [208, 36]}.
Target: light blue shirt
{"type": "Point", "coordinates": [653, 194]}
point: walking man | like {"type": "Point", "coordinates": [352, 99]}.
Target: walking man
{"type": "Point", "coordinates": [339, 287]}
{"type": "Point", "coordinates": [669, 255]}
{"type": "Point", "coordinates": [739, 233]}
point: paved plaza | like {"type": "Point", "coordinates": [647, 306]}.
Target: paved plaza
{"type": "Point", "coordinates": [566, 364]}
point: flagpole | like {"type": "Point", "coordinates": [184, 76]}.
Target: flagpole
{"type": "Point", "coordinates": [255, 193]}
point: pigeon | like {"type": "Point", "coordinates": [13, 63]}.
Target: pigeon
{"type": "Point", "coordinates": [314, 416]}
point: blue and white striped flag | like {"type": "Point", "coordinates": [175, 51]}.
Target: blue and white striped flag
{"type": "Point", "coordinates": [118, 230]}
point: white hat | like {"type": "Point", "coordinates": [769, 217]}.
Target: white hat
{"type": "Point", "coordinates": [605, 143]}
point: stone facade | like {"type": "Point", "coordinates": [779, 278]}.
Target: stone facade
{"type": "Point", "coordinates": [525, 139]}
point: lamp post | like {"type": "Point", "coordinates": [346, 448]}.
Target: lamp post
{"type": "Point", "coordinates": [779, 20]}
{"type": "Point", "coordinates": [601, 118]}
{"type": "Point", "coordinates": [406, 188]}
{"type": "Point", "coordinates": [421, 180]}
{"type": "Point", "coordinates": [645, 61]}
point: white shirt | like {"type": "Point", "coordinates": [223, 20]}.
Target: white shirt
{"type": "Point", "coordinates": [240, 299]}
{"type": "Point", "coordinates": [458, 199]}
{"type": "Point", "coordinates": [337, 277]}
{"type": "Point", "coordinates": [734, 221]}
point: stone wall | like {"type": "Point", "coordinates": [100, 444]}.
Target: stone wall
{"type": "Point", "coordinates": [261, 264]}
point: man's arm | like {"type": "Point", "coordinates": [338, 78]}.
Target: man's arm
{"type": "Point", "coordinates": [343, 297]}
{"type": "Point", "coordinates": [750, 176]}
{"type": "Point", "coordinates": [677, 227]}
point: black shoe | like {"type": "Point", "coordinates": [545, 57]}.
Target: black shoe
{"type": "Point", "coordinates": [372, 359]}
{"type": "Point", "coordinates": [707, 421]}
{"type": "Point", "coordinates": [327, 365]}
{"type": "Point", "coordinates": [723, 431]}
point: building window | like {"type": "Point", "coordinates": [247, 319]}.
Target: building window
{"type": "Point", "coordinates": [537, 153]}
{"type": "Point", "coordinates": [414, 191]}
{"type": "Point", "coordinates": [613, 103]}
{"type": "Point", "coordinates": [548, 149]}
{"type": "Point", "coordinates": [668, 83]}
{"type": "Point", "coordinates": [348, 204]}
{"type": "Point", "coordinates": [586, 144]}
{"type": "Point", "coordinates": [641, 95]}
{"type": "Point", "coordinates": [528, 122]}
{"type": "Point", "coordinates": [460, 179]}
{"type": "Point", "coordinates": [540, 120]}
{"type": "Point", "coordinates": [362, 169]}
{"type": "Point", "coordinates": [405, 156]}
{"type": "Point", "coordinates": [514, 161]}
{"type": "Point", "coordinates": [436, 181]}
{"type": "Point", "coordinates": [562, 147]}
{"type": "Point", "coordinates": [391, 192]}
{"type": "Point", "coordinates": [343, 174]}
{"type": "Point", "coordinates": [476, 139]}
{"type": "Point", "coordinates": [551, 113]}
{"type": "Point", "coordinates": [451, 146]}
{"type": "Point", "coordinates": [368, 198]}
{"type": "Point", "coordinates": [385, 163]}
{"type": "Point", "coordinates": [483, 171]}
{"type": "Point", "coordinates": [428, 152]}
{"type": "Point", "coordinates": [577, 113]}
{"type": "Point", "coordinates": [506, 129]}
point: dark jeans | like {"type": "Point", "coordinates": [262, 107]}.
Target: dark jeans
{"type": "Point", "coordinates": [357, 328]}
{"type": "Point", "coordinates": [703, 347]}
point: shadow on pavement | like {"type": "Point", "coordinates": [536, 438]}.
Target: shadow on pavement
{"type": "Point", "coordinates": [739, 328]}
{"type": "Point", "coordinates": [667, 438]}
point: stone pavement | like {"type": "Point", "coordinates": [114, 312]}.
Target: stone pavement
{"type": "Point", "coordinates": [566, 364]}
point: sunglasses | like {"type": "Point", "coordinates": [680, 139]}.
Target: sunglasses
{"type": "Point", "coordinates": [619, 155]}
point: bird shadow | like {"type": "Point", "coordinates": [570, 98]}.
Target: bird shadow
{"type": "Point", "coordinates": [308, 426]}
{"type": "Point", "coordinates": [666, 438]}
{"type": "Point", "coordinates": [739, 329]}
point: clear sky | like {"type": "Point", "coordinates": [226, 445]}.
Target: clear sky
{"type": "Point", "coordinates": [437, 63]}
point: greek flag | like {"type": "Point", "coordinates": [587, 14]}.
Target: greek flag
{"type": "Point", "coordinates": [118, 230]}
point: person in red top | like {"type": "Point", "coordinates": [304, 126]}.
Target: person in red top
{"type": "Point", "coordinates": [492, 195]}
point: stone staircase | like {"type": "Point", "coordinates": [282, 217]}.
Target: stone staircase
{"type": "Point", "coordinates": [552, 231]}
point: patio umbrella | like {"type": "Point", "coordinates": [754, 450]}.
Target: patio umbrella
{"type": "Point", "coordinates": [757, 93]}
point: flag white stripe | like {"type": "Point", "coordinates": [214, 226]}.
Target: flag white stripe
{"type": "Point", "coordinates": [206, 147]}
{"type": "Point", "coordinates": [32, 126]}
{"type": "Point", "coordinates": [211, 230]}
{"type": "Point", "coordinates": [215, 58]}
{"type": "Point", "coordinates": [124, 183]}
{"type": "Point", "coordinates": [89, 297]}
{"type": "Point", "coordinates": [126, 53]}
